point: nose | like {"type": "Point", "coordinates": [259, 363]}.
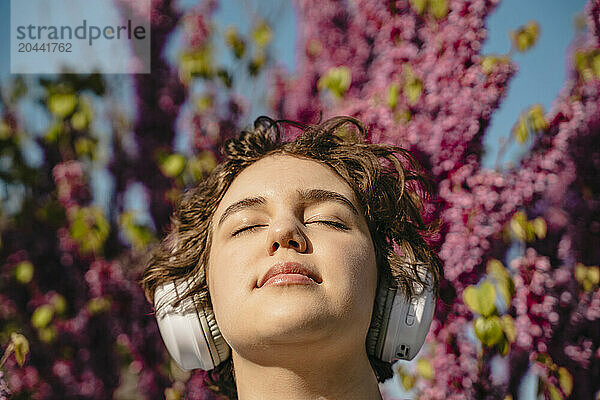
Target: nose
{"type": "Point", "coordinates": [286, 233]}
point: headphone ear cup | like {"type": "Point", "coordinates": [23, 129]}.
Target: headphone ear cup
{"type": "Point", "coordinates": [189, 331]}
{"type": "Point", "coordinates": [381, 312]}
{"type": "Point", "coordinates": [222, 349]}
{"type": "Point", "coordinates": [399, 327]}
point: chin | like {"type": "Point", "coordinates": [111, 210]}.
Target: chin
{"type": "Point", "coordinates": [291, 320]}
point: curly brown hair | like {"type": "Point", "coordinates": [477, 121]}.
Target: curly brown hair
{"type": "Point", "coordinates": [388, 182]}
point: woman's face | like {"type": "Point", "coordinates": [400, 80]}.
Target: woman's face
{"type": "Point", "coordinates": [291, 257]}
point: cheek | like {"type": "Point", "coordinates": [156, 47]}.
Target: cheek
{"type": "Point", "coordinates": [218, 280]}
{"type": "Point", "coordinates": [220, 289]}
{"type": "Point", "coordinates": [357, 259]}
{"type": "Point", "coordinates": [228, 277]}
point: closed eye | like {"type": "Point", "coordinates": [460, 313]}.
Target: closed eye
{"type": "Point", "coordinates": [245, 229]}
{"type": "Point", "coordinates": [335, 224]}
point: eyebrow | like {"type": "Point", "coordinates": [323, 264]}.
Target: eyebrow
{"type": "Point", "coordinates": [306, 196]}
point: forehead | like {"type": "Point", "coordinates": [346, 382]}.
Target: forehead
{"type": "Point", "coordinates": [281, 176]}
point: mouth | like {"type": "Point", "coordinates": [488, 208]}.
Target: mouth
{"type": "Point", "coordinates": [289, 273]}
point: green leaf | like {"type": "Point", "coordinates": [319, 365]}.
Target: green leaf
{"type": "Point", "coordinates": [413, 87]}
{"type": "Point", "coordinates": [235, 42]}
{"type": "Point", "coordinates": [79, 121]}
{"type": "Point", "coordinates": [565, 379]}
{"type": "Point", "coordinates": [408, 381]}
{"type": "Point", "coordinates": [402, 116]}
{"type": "Point", "coordinates": [257, 62]}
{"type": "Point", "coordinates": [554, 393]}
{"type": "Point", "coordinates": [337, 80]}
{"type": "Point", "coordinates": [544, 359]}
{"type": "Point", "coordinates": [392, 96]}
{"type": "Point", "coordinates": [225, 77]}
{"type": "Point", "coordinates": [48, 334]}
{"type": "Point", "coordinates": [425, 368]}
{"type": "Point", "coordinates": [588, 277]}
{"type": "Point", "coordinates": [470, 298]}
{"type": "Point", "coordinates": [520, 130]}
{"type": "Point", "coordinates": [83, 116]}
{"type": "Point", "coordinates": [24, 272]}
{"type": "Point", "coordinates": [172, 165]}
{"type": "Point", "coordinates": [20, 347]}
{"type": "Point", "coordinates": [487, 298]}
{"type": "Point", "coordinates": [595, 64]}
{"type": "Point", "coordinates": [196, 63]}
{"type": "Point", "coordinates": [59, 303]}
{"type": "Point", "coordinates": [85, 146]}
{"type": "Point", "coordinates": [481, 300]}
{"type": "Point", "coordinates": [504, 282]}
{"type": "Point", "coordinates": [418, 6]}
{"type": "Point", "coordinates": [506, 290]}
{"type": "Point", "coordinates": [496, 269]}
{"type": "Point", "coordinates": [98, 305]}
{"type": "Point", "coordinates": [262, 34]}
{"type": "Point", "coordinates": [488, 63]}
{"type": "Point", "coordinates": [581, 60]}
{"type": "Point", "coordinates": [526, 36]}
{"type": "Point", "coordinates": [204, 103]}
{"type": "Point", "coordinates": [62, 104]}
{"type": "Point", "coordinates": [522, 228]}
{"type": "Point", "coordinates": [518, 225]}
{"type": "Point", "coordinates": [488, 330]}
{"type": "Point", "coordinates": [201, 165]}
{"type": "Point", "coordinates": [508, 326]}
{"type": "Point", "coordinates": [438, 8]}
{"type": "Point", "coordinates": [42, 316]}
{"type": "Point", "coordinates": [503, 347]}
{"type": "Point", "coordinates": [89, 228]}
{"type": "Point", "coordinates": [54, 133]}
{"type": "Point", "coordinates": [138, 235]}
{"type": "Point", "coordinates": [539, 227]}
{"type": "Point", "coordinates": [5, 130]}
{"type": "Point", "coordinates": [536, 117]}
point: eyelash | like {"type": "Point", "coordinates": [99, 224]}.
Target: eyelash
{"type": "Point", "coordinates": [333, 224]}
{"type": "Point", "coordinates": [246, 229]}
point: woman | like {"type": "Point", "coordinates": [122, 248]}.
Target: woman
{"type": "Point", "coordinates": [290, 251]}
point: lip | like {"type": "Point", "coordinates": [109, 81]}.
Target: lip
{"type": "Point", "coordinates": [288, 273]}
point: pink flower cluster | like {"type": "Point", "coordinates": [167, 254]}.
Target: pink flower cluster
{"type": "Point", "coordinates": [453, 352]}
{"type": "Point", "coordinates": [417, 79]}
{"type": "Point", "coordinates": [420, 81]}
{"type": "Point", "coordinates": [535, 302]}
{"type": "Point", "coordinates": [71, 183]}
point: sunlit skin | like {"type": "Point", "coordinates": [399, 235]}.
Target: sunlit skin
{"type": "Point", "coordinates": [294, 337]}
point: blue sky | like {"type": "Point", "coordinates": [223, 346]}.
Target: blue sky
{"type": "Point", "coordinates": [542, 69]}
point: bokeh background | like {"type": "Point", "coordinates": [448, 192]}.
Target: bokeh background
{"type": "Point", "coordinates": [499, 100]}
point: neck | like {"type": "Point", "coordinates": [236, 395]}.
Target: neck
{"type": "Point", "coordinates": [306, 375]}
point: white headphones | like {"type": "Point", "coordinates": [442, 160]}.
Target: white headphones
{"type": "Point", "coordinates": [192, 337]}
